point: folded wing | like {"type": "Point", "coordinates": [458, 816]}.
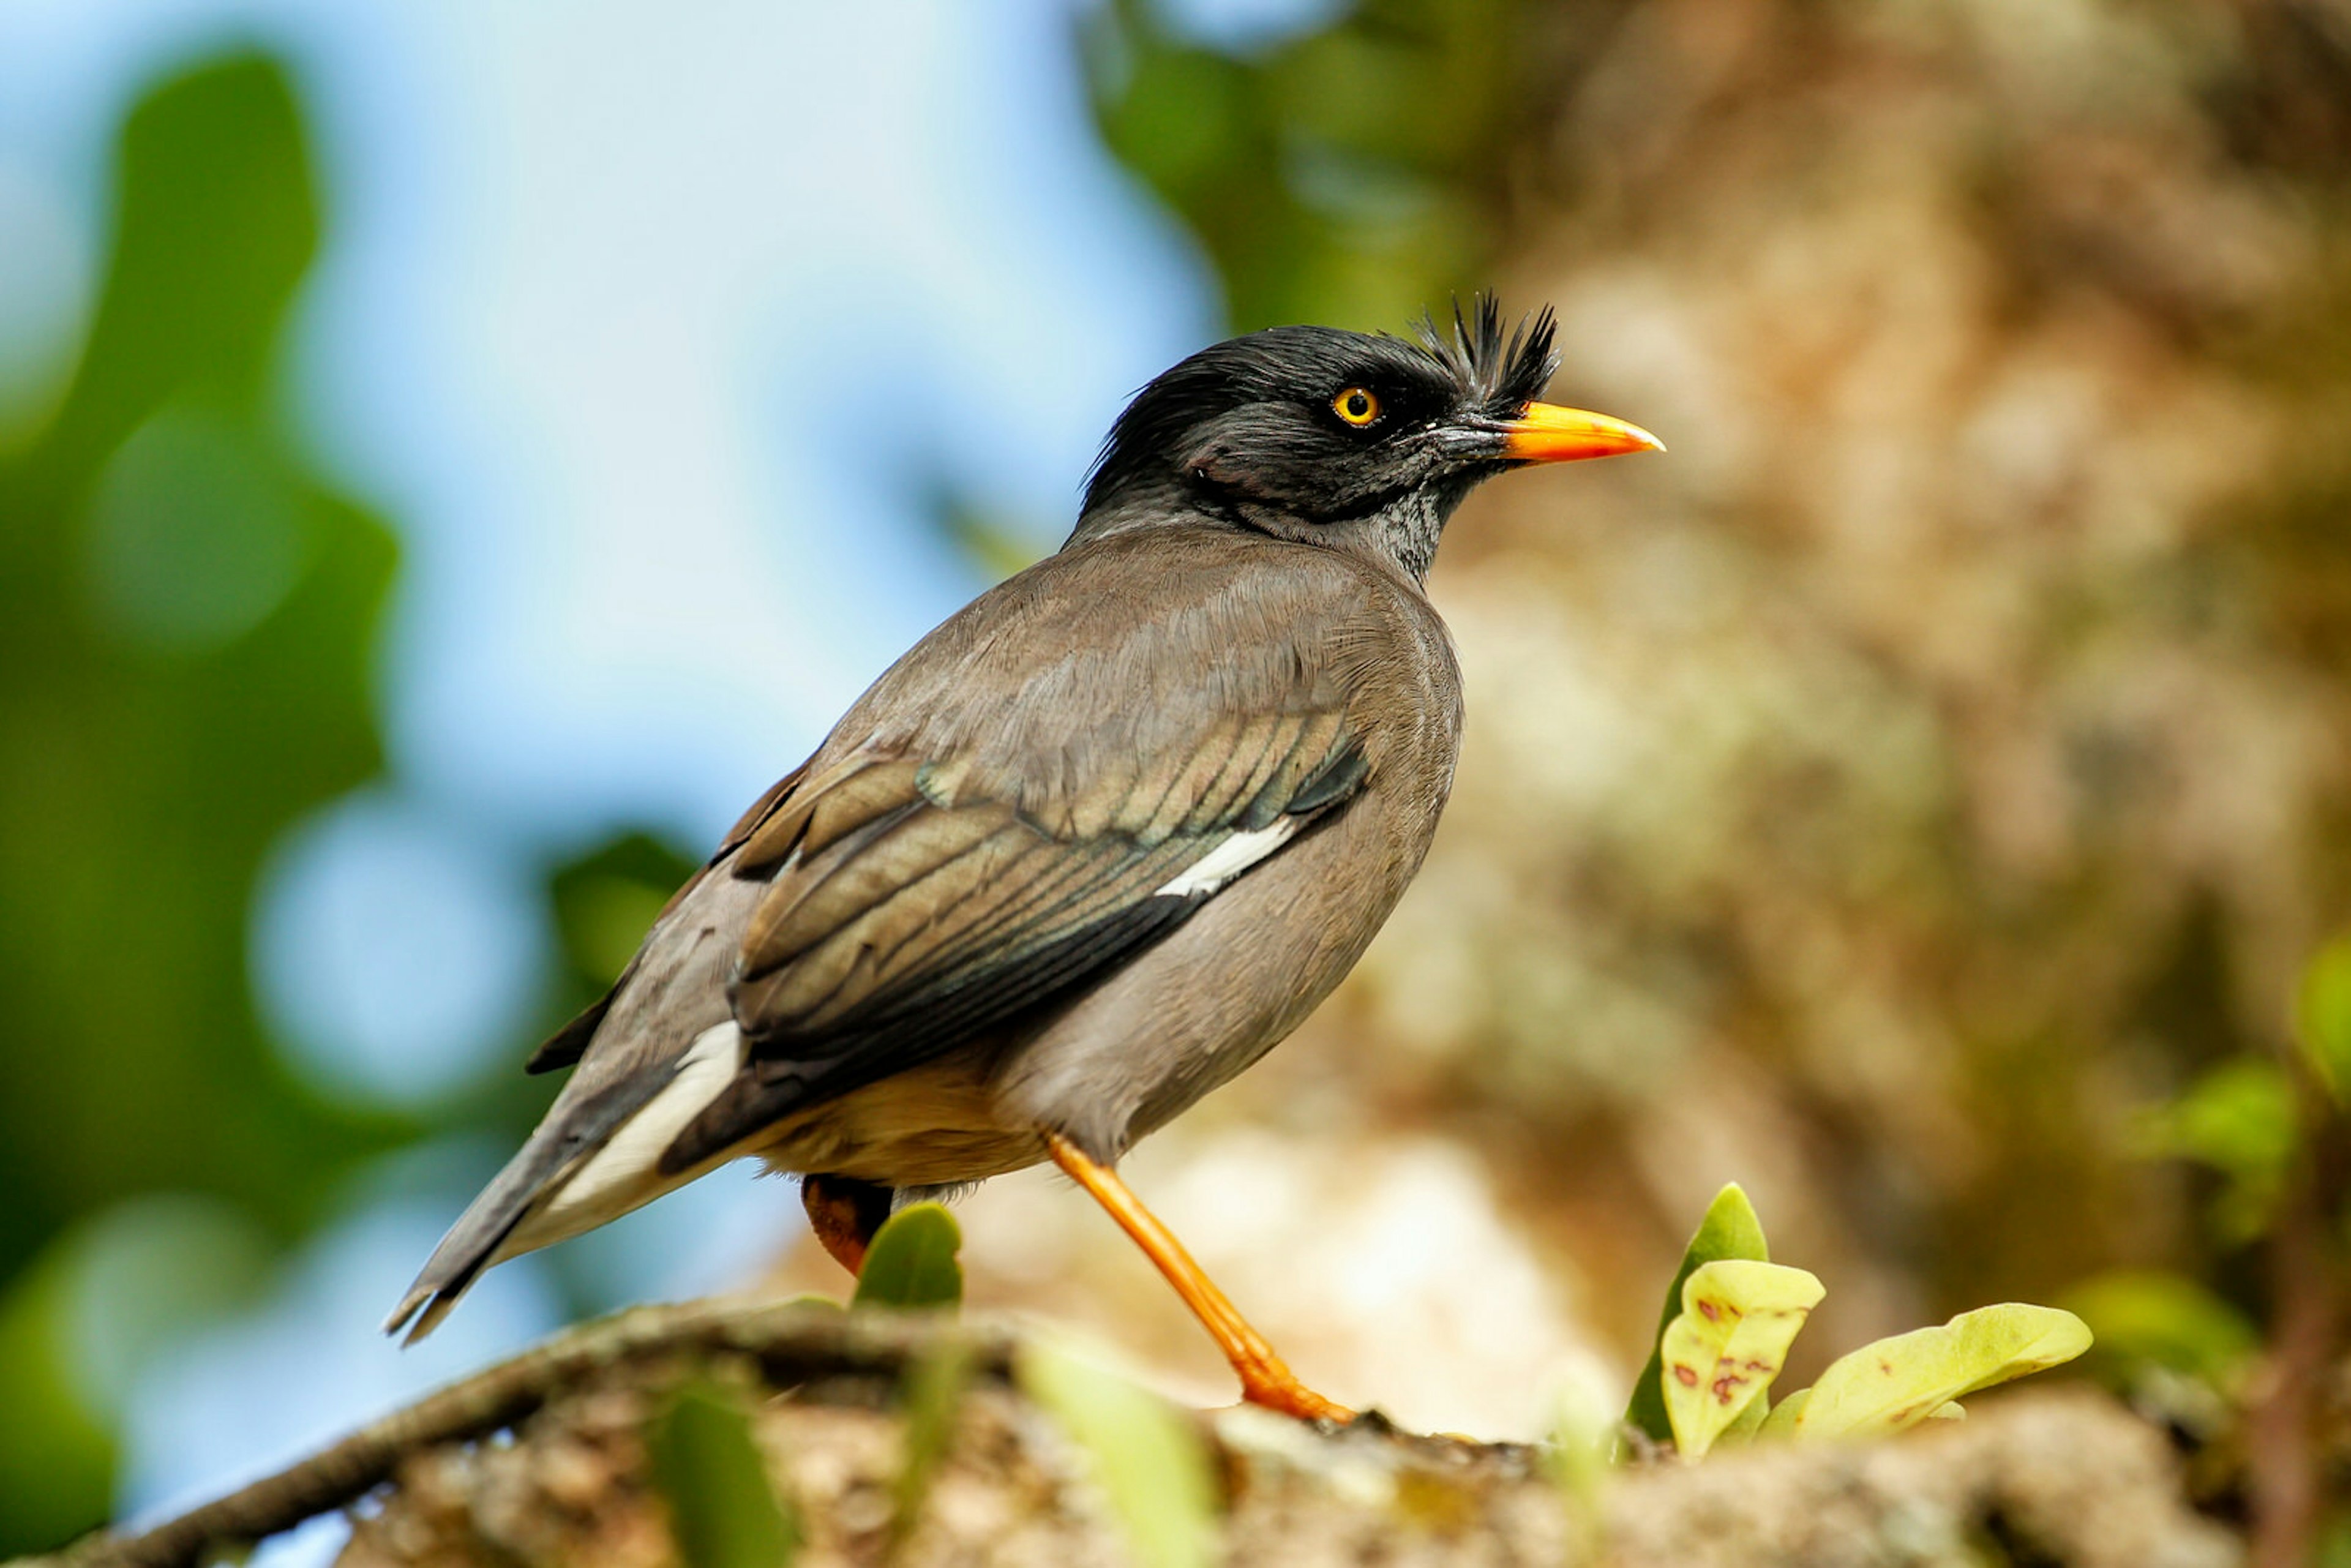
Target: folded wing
{"type": "Point", "coordinates": [915, 907]}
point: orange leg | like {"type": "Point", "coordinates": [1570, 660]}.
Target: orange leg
{"type": "Point", "coordinates": [1265, 1380]}
{"type": "Point", "coordinates": [844, 1213]}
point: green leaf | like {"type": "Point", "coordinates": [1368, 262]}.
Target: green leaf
{"type": "Point", "coordinates": [1148, 1462]}
{"type": "Point", "coordinates": [1729, 1230]}
{"type": "Point", "coordinates": [723, 1512]}
{"type": "Point", "coordinates": [1897, 1383]}
{"type": "Point", "coordinates": [2324, 1016]}
{"type": "Point", "coordinates": [912, 1263]}
{"type": "Point", "coordinates": [1738, 1318]}
{"type": "Point", "coordinates": [932, 1394]}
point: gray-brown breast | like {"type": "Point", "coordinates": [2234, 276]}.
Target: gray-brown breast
{"type": "Point", "coordinates": [982, 850]}
{"type": "Point", "coordinates": [1144, 1045]}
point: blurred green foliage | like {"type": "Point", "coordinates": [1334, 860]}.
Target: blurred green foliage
{"type": "Point", "coordinates": [188, 617]}
{"type": "Point", "coordinates": [603, 901]}
{"type": "Point", "coordinates": [930, 1398]}
{"type": "Point", "coordinates": [189, 625]}
{"type": "Point", "coordinates": [724, 1511]}
{"type": "Point", "coordinates": [1150, 1466]}
{"type": "Point", "coordinates": [2238, 1119]}
{"type": "Point", "coordinates": [2152, 1320]}
{"type": "Point", "coordinates": [2271, 1137]}
{"type": "Point", "coordinates": [1345, 177]}
{"type": "Point", "coordinates": [2323, 1020]}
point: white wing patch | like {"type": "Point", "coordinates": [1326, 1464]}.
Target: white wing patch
{"type": "Point", "coordinates": [1229, 859]}
{"type": "Point", "coordinates": [622, 1174]}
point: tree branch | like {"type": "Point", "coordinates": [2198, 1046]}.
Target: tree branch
{"type": "Point", "coordinates": [792, 1343]}
{"type": "Point", "coordinates": [2063, 1478]}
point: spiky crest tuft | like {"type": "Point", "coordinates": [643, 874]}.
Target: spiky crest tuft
{"type": "Point", "coordinates": [1504, 375]}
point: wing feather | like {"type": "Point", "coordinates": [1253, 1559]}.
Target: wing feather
{"type": "Point", "coordinates": [916, 909]}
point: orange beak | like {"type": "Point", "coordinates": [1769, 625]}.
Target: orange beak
{"type": "Point", "coordinates": [1546, 433]}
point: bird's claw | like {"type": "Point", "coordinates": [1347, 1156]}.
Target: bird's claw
{"type": "Point", "coordinates": [1291, 1397]}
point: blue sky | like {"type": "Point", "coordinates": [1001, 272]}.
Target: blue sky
{"type": "Point", "coordinates": [651, 333]}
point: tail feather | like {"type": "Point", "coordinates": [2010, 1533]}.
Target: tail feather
{"type": "Point", "coordinates": [473, 1243]}
{"type": "Point", "coordinates": [594, 1158]}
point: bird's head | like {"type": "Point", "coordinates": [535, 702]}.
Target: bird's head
{"type": "Point", "coordinates": [1345, 438]}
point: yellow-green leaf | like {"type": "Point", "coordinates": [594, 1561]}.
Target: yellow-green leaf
{"type": "Point", "coordinates": [912, 1263]}
{"type": "Point", "coordinates": [1728, 1230]}
{"type": "Point", "coordinates": [1718, 1357]}
{"type": "Point", "coordinates": [1148, 1462]}
{"type": "Point", "coordinates": [1783, 1417]}
{"type": "Point", "coordinates": [1900, 1382]}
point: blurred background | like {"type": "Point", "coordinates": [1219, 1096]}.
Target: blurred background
{"type": "Point", "coordinates": [452, 458]}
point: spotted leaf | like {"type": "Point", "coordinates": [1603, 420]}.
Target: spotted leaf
{"type": "Point", "coordinates": [1912, 1377]}
{"type": "Point", "coordinates": [1718, 1357]}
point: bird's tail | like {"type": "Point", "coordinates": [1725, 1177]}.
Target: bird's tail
{"type": "Point", "coordinates": [475, 1242]}
{"type": "Point", "coordinates": [595, 1157]}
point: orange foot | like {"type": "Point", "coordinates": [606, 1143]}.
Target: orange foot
{"type": "Point", "coordinates": [1266, 1379]}
{"type": "Point", "coordinates": [1281, 1392]}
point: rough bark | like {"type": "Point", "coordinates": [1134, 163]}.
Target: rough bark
{"type": "Point", "coordinates": [543, 1460]}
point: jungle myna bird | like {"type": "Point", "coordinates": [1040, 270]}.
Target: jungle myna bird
{"type": "Point", "coordinates": [1092, 846]}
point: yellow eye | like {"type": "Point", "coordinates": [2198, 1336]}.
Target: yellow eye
{"type": "Point", "coordinates": [1356, 406]}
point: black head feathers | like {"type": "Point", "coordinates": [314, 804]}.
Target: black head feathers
{"type": "Point", "coordinates": [1254, 414]}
